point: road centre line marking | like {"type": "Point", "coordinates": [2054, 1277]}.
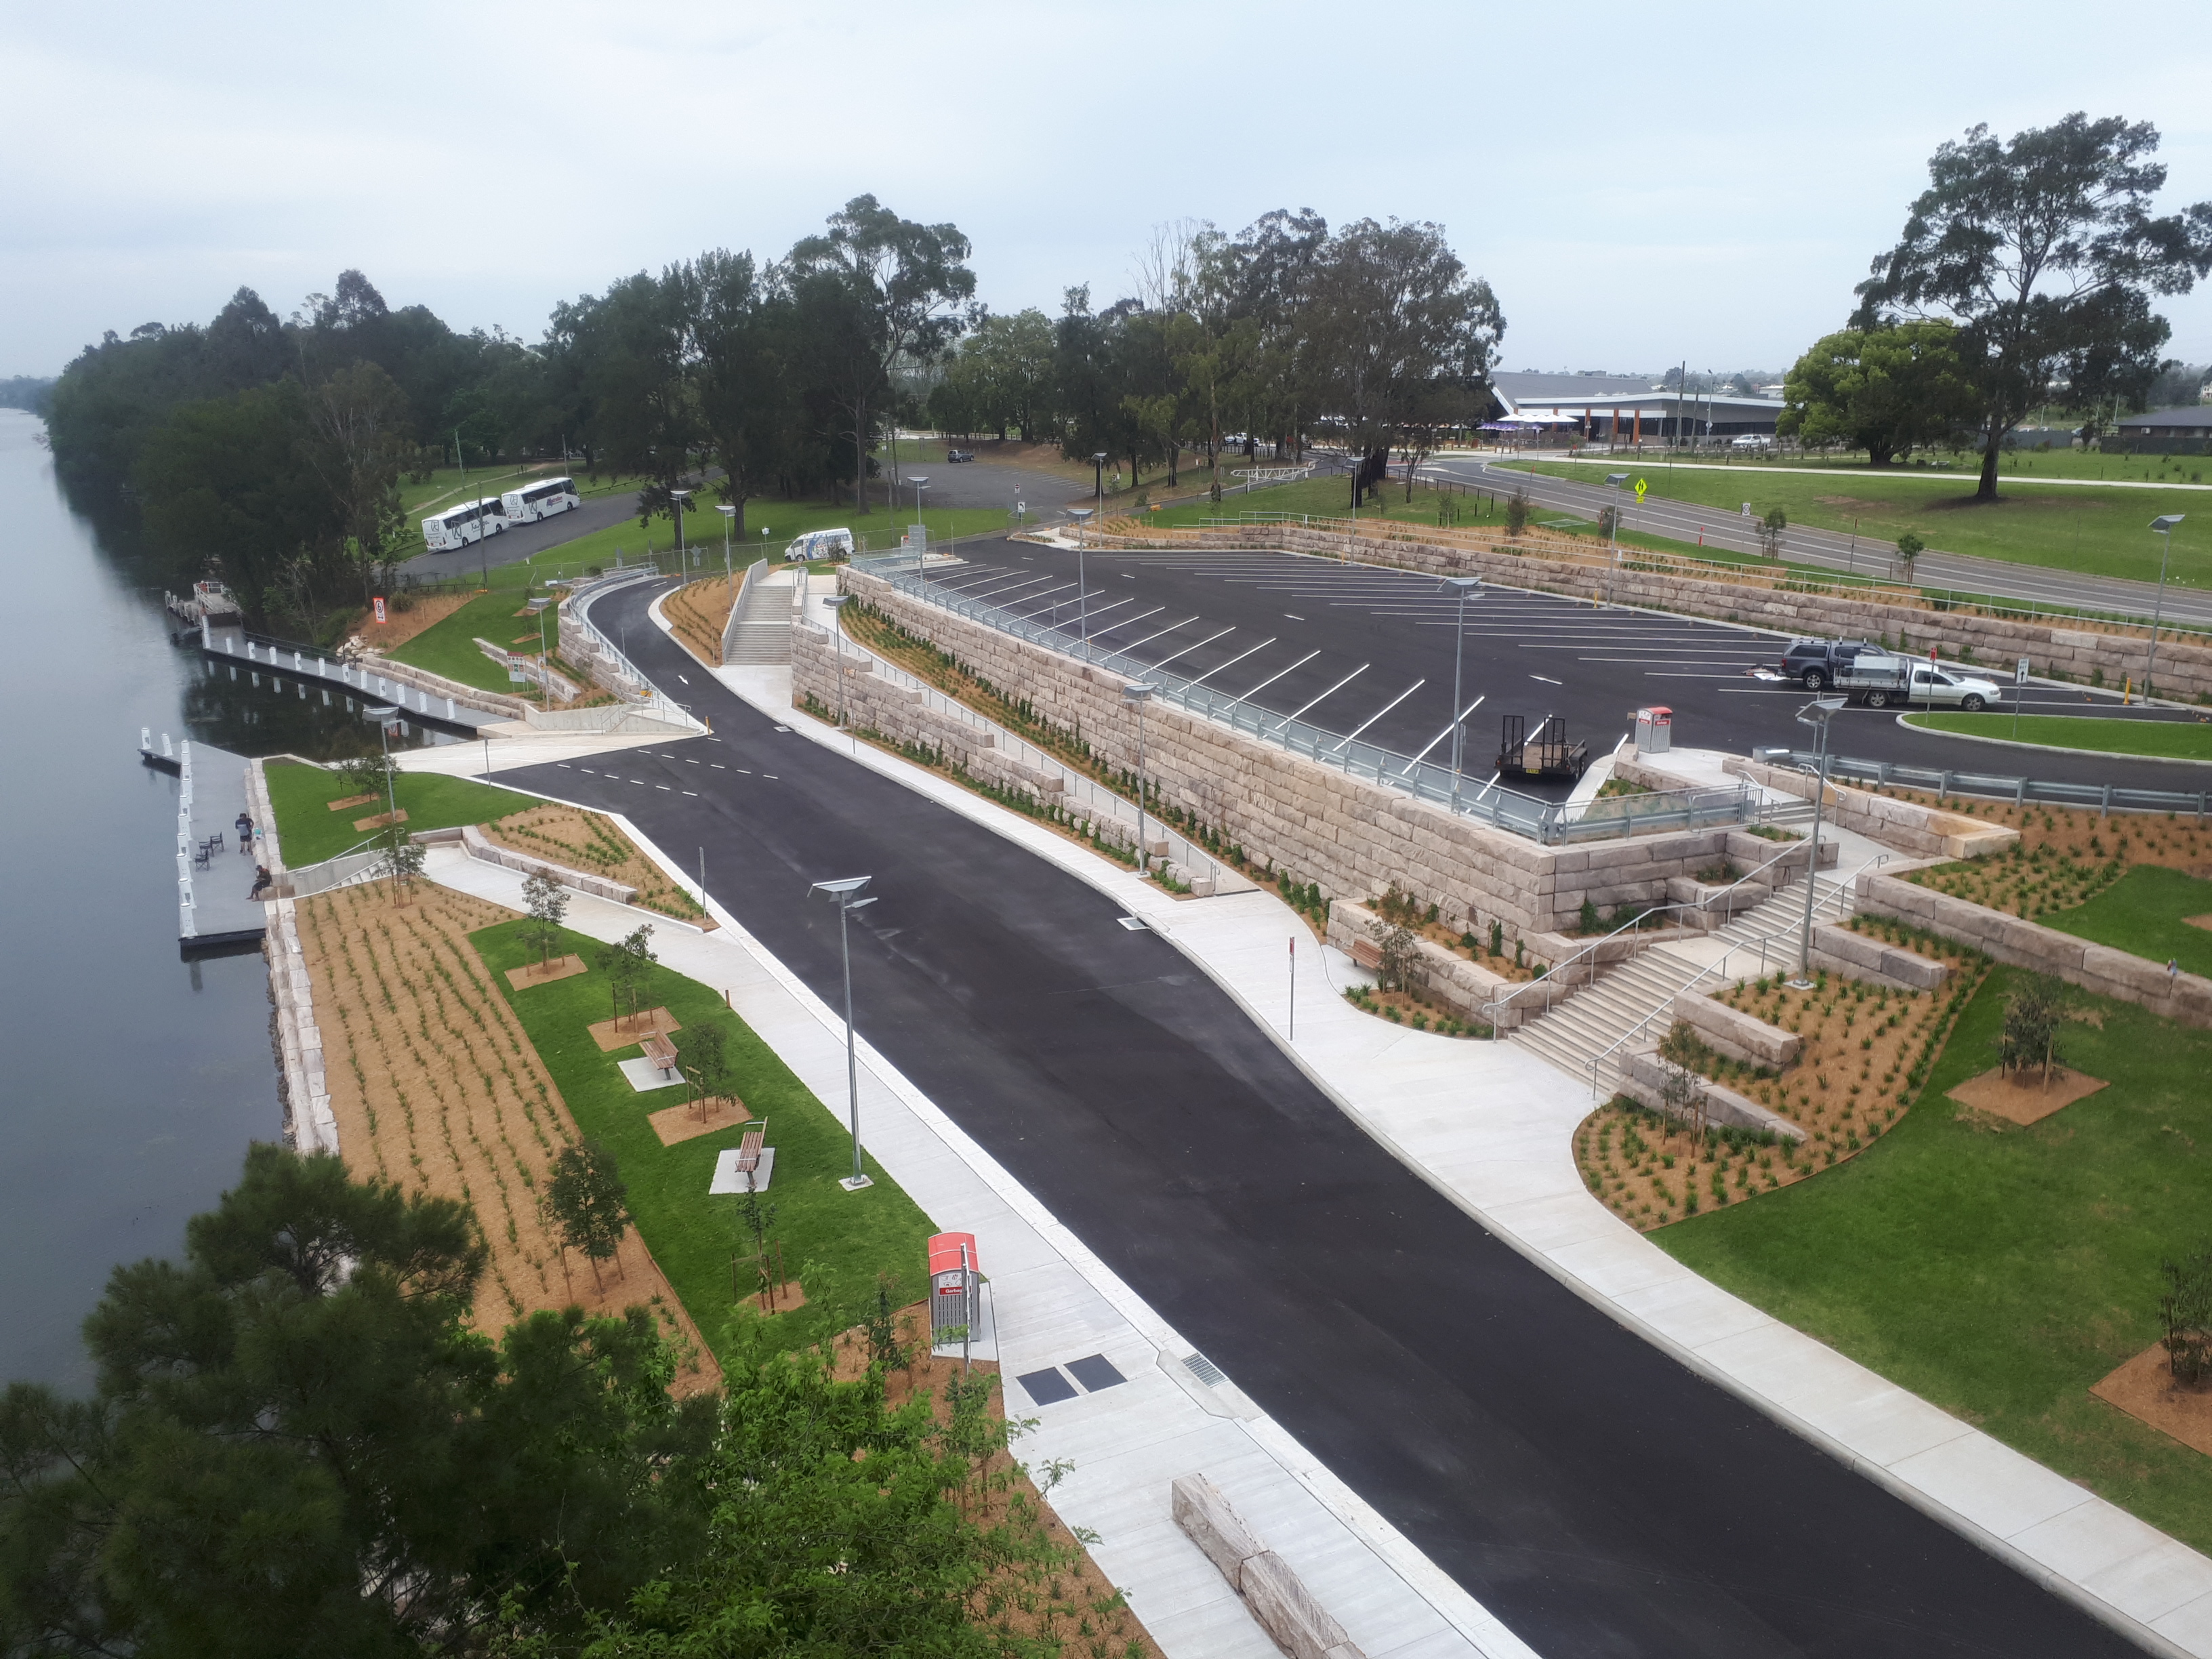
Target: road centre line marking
{"type": "Point", "coordinates": [694, 793]}
{"type": "Point", "coordinates": [1548, 682]}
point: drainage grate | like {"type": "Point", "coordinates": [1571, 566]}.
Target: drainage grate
{"type": "Point", "coordinates": [1134, 924]}
{"type": "Point", "coordinates": [1204, 1369]}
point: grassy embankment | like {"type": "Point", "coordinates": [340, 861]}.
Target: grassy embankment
{"type": "Point", "coordinates": [2000, 1271]}
{"type": "Point", "coordinates": [834, 1243]}
{"type": "Point", "coordinates": [2148, 912]}
{"type": "Point", "coordinates": [2159, 739]}
{"type": "Point", "coordinates": [2101, 532]}
{"type": "Point", "coordinates": [308, 832]}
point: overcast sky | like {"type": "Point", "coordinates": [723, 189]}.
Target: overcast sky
{"type": "Point", "coordinates": [1640, 185]}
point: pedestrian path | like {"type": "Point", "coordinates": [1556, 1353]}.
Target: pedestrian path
{"type": "Point", "coordinates": [1490, 1126]}
{"type": "Point", "coordinates": [1053, 1301]}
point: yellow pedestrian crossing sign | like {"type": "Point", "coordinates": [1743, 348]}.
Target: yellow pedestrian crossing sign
{"type": "Point", "coordinates": [1640, 488]}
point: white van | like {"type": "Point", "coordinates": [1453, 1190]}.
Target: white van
{"type": "Point", "coordinates": [819, 544]}
{"type": "Point", "coordinates": [540, 500]}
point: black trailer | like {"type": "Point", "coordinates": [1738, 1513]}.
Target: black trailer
{"type": "Point", "coordinates": [1543, 753]}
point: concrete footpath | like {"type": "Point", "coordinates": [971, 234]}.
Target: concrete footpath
{"type": "Point", "coordinates": [1491, 1127]}
{"type": "Point", "coordinates": [1052, 1301]}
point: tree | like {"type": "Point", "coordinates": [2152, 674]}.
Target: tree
{"type": "Point", "coordinates": [399, 857]}
{"type": "Point", "coordinates": [2184, 1317]}
{"type": "Point", "coordinates": [2029, 1037]}
{"type": "Point", "coordinates": [1401, 953]}
{"type": "Point", "coordinates": [2044, 250]}
{"type": "Point", "coordinates": [905, 283]}
{"type": "Point", "coordinates": [296, 1442]}
{"type": "Point", "coordinates": [1683, 1086]}
{"type": "Point", "coordinates": [358, 441]}
{"type": "Point", "coordinates": [547, 901]}
{"type": "Point", "coordinates": [1770, 529]}
{"type": "Point", "coordinates": [705, 1055]}
{"type": "Point", "coordinates": [625, 963]}
{"type": "Point", "coordinates": [589, 1204]}
{"type": "Point", "coordinates": [1909, 548]}
{"type": "Point", "coordinates": [1888, 391]}
{"type": "Point", "coordinates": [1516, 510]}
{"type": "Point", "coordinates": [731, 313]}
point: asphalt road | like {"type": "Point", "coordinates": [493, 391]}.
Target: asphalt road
{"type": "Point", "coordinates": [524, 541]}
{"type": "Point", "coordinates": [1287, 631]}
{"type": "Point", "coordinates": [1600, 1498]}
{"type": "Point", "coordinates": [1659, 515]}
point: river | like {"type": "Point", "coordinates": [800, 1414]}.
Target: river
{"type": "Point", "coordinates": [134, 1081]}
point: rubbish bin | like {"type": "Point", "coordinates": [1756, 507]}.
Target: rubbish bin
{"type": "Point", "coordinates": [954, 1297]}
{"type": "Point", "coordinates": [1654, 731]}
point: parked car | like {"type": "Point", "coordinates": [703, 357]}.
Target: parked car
{"type": "Point", "coordinates": [1946, 687]}
{"type": "Point", "coordinates": [951, 455]}
{"type": "Point", "coordinates": [1816, 663]}
{"type": "Point", "coordinates": [1753, 441]}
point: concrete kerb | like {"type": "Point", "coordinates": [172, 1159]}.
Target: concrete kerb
{"type": "Point", "coordinates": [1442, 1595]}
{"type": "Point", "coordinates": [1075, 860]}
{"type": "Point", "coordinates": [1904, 720]}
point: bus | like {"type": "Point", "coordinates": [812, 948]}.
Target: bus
{"type": "Point", "coordinates": [540, 500]}
{"type": "Point", "coordinates": [457, 526]}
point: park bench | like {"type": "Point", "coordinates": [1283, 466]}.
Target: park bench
{"type": "Point", "coordinates": [1366, 953]}
{"type": "Point", "coordinates": [749, 1148]}
{"type": "Point", "coordinates": [660, 1051]}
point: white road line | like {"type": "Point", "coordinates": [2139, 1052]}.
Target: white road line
{"type": "Point", "coordinates": [1293, 617]}
{"type": "Point", "coordinates": [1546, 681]}
{"type": "Point", "coordinates": [1231, 663]}
{"type": "Point", "coordinates": [1188, 649]}
{"type": "Point", "coordinates": [1248, 695]}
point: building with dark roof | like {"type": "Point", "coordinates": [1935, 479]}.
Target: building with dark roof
{"type": "Point", "coordinates": [2184, 431]}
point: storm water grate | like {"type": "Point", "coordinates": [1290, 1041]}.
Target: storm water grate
{"type": "Point", "coordinates": [1204, 1369]}
{"type": "Point", "coordinates": [1134, 924]}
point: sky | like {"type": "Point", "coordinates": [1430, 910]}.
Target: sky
{"type": "Point", "coordinates": [1640, 185]}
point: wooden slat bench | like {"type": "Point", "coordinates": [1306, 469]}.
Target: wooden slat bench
{"type": "Point", "coordinates": [660, 1050]}
{"type": "Point", "coordinates": [749, 1148]}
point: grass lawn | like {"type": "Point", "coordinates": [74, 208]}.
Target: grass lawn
{"type": "Point", "coordinates": [2144, 912]}
{"type": "Point", "coordinates": [2164, 739]}
{"type": "Point", "coordinates": [2104, 533]}
{"type": "Point", "coordinates": [1999, 1271]}
{"type": "Point", "coordinates": [834, 1241]}
{"type": "Point", "coordinates": [308, 831]}
{"type": "Point", "coordinates": [449, 647]}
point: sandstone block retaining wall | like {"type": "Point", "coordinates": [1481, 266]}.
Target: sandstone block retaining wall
{"type": "Point", "coordinates": [1739, 1035]}
{"type": "Point", "coordinates": [2022, 944]}
{"type": "Point", "coordinates": [1354, 837]}
{"type": "Point", "coordinates": [1643, 1078]}
{"type": "Point", "coordinates": [1917, 828]}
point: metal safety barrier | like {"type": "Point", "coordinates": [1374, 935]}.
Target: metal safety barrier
{"type": "Point", "coordinates": [1990, 786]}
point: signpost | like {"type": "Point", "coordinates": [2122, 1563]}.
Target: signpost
{"type": "Point", "coordinates": [2019, 682]}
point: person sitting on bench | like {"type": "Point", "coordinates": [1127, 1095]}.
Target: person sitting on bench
{"type": "Point", "coordinates": [262, 879]}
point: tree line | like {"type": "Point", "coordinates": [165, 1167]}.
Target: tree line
{"type": "Point", "coordinates": [2024, 279]}
{"type": "Point", "coordinates": [274, 449]}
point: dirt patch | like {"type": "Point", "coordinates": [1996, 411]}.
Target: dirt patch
{"type": "Point", "coordinates": [380, 819]}
{"type": "Point", "coordinates": [687, 1122]}
{"type": "Point", "coordinates": [421, 615]}
{"type": "Point", "coordinates": [2024, 1097]}
{"type": "Point", "coordinates": [544, 974]}
{"type": "Point", "coordinates": [628, 1030]}
{"type": "Point", "coordinates": [789, 1297]}
{"type": "Point", "coordinates": [352, 800]}
{"type": "Point", "coordinates": [590, 842]}
{"type": "Point", "coordinates": [699, 612]}
{"type": "Point", "coordinates": [2145, 1390]}
{"type": "Point", "coordinates": [1866, 1050]}
{"type": "Point", "coordinates": [1413, 1010]}
{"type": "Point", "coordinates": [1080, 1610]}
{"type": "Point", "coordinates": [2198, 922]}
{"type": "Point", "coordinates": [436, 1089]}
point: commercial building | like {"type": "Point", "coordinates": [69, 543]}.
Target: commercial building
{"type": "Point", "coordinates": [1622, 409]}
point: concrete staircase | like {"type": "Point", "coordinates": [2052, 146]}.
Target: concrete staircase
{"type": "Point", "coordinates": [759, 630]}
{"type": "Point", "coordinates": [1593, 1017]}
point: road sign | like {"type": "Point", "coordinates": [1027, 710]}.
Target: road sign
{"type": "Point", "coordinates": [1640, 488]}
{"type": "Point", "coordinates": [378, 603]}
{"type": "Point", "coordinates": [2020, 674]}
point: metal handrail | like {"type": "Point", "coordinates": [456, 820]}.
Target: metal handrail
{"type": "Point", "coordinates": [650, 696]}
{"type": "Point", "coordinates": [1552, 974]}
{"type": "Point", "coordinates": [1842, 890]}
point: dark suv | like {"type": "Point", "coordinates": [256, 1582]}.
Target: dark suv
{"type": "Point", "coordinates": [1813, 663]}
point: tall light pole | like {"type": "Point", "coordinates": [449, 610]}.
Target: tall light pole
{"type": "Point", "coordinates": [2164, 524]}
{"type": "Point", "coordinates": [1465, 588]}
{"type": "Point", "coordinates": [837, 602]}
{"type": "Point", "coordinates": [729, 521]}
{"type": "Point", "coordinates": [1136, 694]}
{"type": "Point", "coordinates": [383, 715]}
{"type": "Point", "coordinates": [919, 485]}
{"type": "Point", "coordinates": [679, 503]}
{"type": "Point", "coordinates": [842, 892]}
{"type": "Point", "coordinates": [1818, 713]}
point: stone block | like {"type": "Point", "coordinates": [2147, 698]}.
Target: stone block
{"type": "Point", "coordinates": [1642, 1079]}
{"type": "Point", "coordinates": [1205, 1515]}
{"type": "Point", "coordinates": [1739, 1035]}
{"type": "Point", "coordinates": [1286, 1610]}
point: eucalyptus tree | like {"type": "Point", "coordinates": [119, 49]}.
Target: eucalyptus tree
{"type": "Point", "coordinates": [2044, 250]}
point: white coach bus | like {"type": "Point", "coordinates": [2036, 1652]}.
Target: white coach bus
{"type": "Point", "coordinates": [540, 500]}
{"type": "Point", "coordinates": [457, 526]}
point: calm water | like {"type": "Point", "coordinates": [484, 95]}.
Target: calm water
{"type": "Point", "coordinates": [133, 1080]}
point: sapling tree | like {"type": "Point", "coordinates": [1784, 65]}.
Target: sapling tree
{"type": "Point", "coordinates": [1770, 533]}
{"type": "Point", "coordinates": [1516, 510]}
{"type": "Point", "coordinates": [547, 901]}
{"type": "Point", "coordinates": [400, 857]}
{"type": "Point", "coordinates": [589, 1203]}
{"type": "Point", "coordinates": [2029, 1037]}
{"type": "Point", "coordinates": [1681, 1088]}
{"type": "Point", "coordinates": [1909, 548]}
{"type": "Point", "coordinates": [1400, 965]}
{"type": "Point", "coordinates": [625, 963]}
{"type": "Point", "coordinates": [757, 1218]}
{"type": "Point", "coordinates": [705, 1055]}
{"type": "Point", "coordinates": [881, 1326]}
{"type": "Point", "coordinates": [2184, 1314]}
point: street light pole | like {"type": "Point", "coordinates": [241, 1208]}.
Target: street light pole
{"type": "Point", "coordinates": [1818, 713]}
{"type": "Point", "coordinates": [1137, 693]}
{"type": "Point", "coordinates": [842, 892]}
{"type": "Point", "coordinates": [2164, 524]}
{"type": "Point", "coordinates": [1466, 587]}
{"type": "Point", "coordinates": [919, 485]}
{"type": "Point", "coordinates": [679, 502]}
{"type": "Point", "coordinates": [729, 513]}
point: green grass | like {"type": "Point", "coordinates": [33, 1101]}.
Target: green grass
{"type": "Point", "coordinates": [448, 646]}
{"type": "Point", "coordinates": [2000, 1273]}
{"type": "Point", "coordinates": [2143, 913]}
{"type": "Point", "coordinates": [308, 832]}
{"type": "Point", "coordinates": [2102, 532]}
{"type": "Point", "coordinates": [834, 1243]}
{"type": "Point", "coordinates": [2159, 739]}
